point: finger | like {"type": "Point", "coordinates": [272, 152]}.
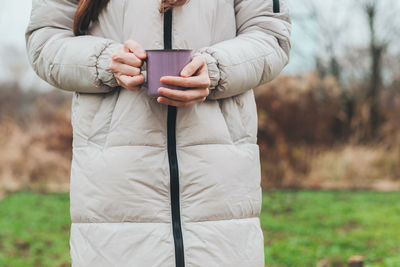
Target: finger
{"type": "Point", "coordinates": [166, 101]}
{"type": "Point", "coordinates": [127, 58]}
{"type": "Point", "coordinates": [188, 82]}
{"type": "Point", "coordinates": [192, 67]}
{"type": "Point", "coordinates": [136, 48]}
{"type": "Point", "coordinates": [124, 69]}
{"type": "Point", "coordinates": [131, 82]}
{"type": "Point", "coordinates": [183, 95]}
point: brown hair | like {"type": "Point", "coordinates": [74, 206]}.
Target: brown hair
{"type": "Point", "coordinates": [89, 10]}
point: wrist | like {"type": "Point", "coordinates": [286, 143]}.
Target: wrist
{"type": "Point", "coordinates": [212, 66]}
{"type": "Point", "coordinates": [104, 74]}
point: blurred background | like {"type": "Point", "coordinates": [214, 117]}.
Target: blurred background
{"type": "Point", "coordinates": [329, 133]}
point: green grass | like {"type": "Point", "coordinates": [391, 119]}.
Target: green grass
{"type": "Point", "coordinates": [34, 230]}
{"type": "Point", "coordinates": [300, 228]}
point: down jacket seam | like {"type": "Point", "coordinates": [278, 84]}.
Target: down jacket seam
{"type": "Point", "coordinates": [109, 123]}
{"type": "Point", "coordinates": [113, 146]}
{"type": "Point", "coordinates": [184, 222]}
{"type": "Point", "coordinates": [122, 222]}
{"type": "Point", "coordinates": [123, 17]}
{"type": "Point", "coordinates": [221, 220]}
{"type": "Point", "coordinates": [241, 62]}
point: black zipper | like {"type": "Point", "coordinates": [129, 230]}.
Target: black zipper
{"type": "Point", "coordinates": [172, 158]}
{"type": "Point", "coordinates": [277, 7]}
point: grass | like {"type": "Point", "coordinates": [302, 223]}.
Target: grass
{"type": "Point", "coordinates": [305, 227]}
{"type": "Point", "coordinates": [34, 230]}
{"type": "Point", "coordinates": [300, 228]}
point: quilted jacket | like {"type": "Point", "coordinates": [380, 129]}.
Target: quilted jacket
{"type": "Point", "coordinates": [153, 185]}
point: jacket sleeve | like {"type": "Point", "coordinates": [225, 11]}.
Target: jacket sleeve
{"type": "Point", "coordinates": [66, 61]}
{"type": "Point", "coordinates": [256, 55]}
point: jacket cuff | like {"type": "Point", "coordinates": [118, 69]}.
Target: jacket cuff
{"type": "Point", "coordinates": [104, 74]}
{"type": "Point", "coordinates": [213, 69]}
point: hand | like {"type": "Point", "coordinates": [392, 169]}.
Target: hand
{"type": "Point", "coordinates": [126, 63]}
{"type": "Point", "coordinates": [199, 83]}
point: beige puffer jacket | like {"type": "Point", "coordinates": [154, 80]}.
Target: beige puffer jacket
{"type": "Point", "coordinates": [154, 186]}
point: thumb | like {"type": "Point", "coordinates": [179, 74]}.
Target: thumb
{"type": "Point", "coordinates": [192, 67]}
{"type": "Point", "coordinates": [135, 48]}
{"type": "Point", "coordinates": [140, 53]}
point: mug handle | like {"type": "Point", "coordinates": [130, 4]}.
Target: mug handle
{"type": "Point", "coordinates": [143, 70]}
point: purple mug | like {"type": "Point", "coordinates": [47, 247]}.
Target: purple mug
{"type": "Point", "coordinates": [167, 62]}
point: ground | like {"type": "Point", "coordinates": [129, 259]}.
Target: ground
{"type": "Point", "coordinates": [306, 227]}
{"type": "Point", "coordinates": [300, 228]}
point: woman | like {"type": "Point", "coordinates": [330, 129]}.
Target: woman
{"type": "Point", "coordinates": [172, 181]}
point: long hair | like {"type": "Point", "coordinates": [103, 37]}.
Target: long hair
{"type": "Point", "coordinates": [89, 10]}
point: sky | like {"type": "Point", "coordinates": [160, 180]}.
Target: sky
{"type": "Point", "coordinates": [14, 17]}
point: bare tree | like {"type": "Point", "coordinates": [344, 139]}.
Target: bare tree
{"type": "Point", "coordinates": [383, 27]}
{"type": "Point", "coordinates": [353, 39]}
{"type": "Point", "coordinates": [325, 23]}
